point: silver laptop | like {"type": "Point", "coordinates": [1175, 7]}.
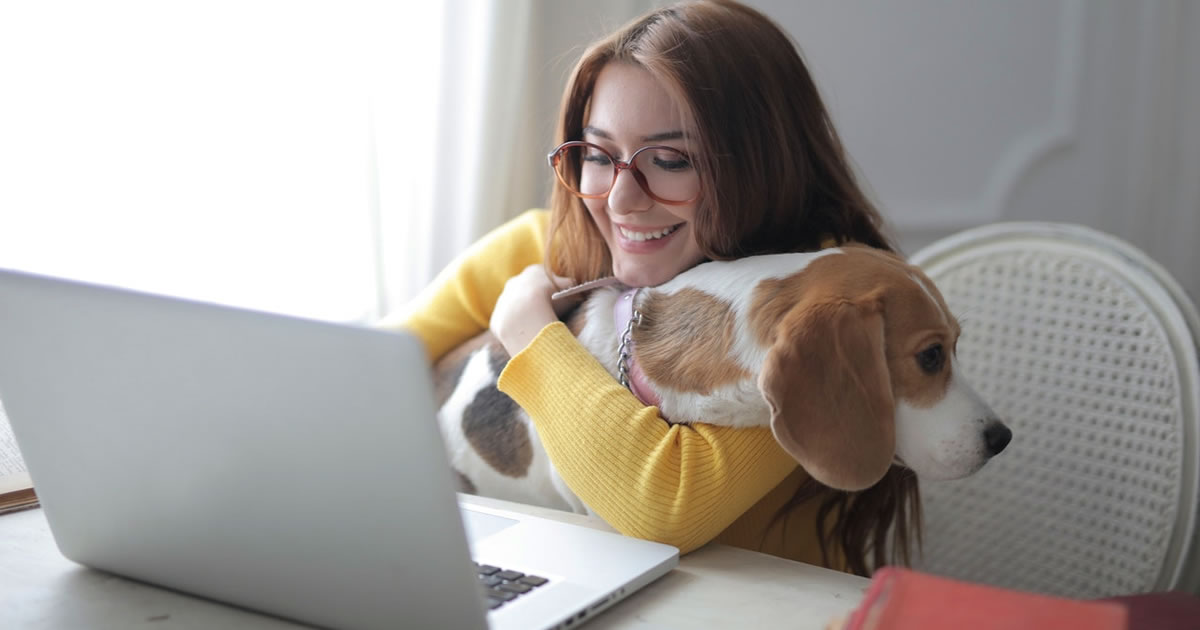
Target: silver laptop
{"type": "Point", "coordinates": [280, 464]}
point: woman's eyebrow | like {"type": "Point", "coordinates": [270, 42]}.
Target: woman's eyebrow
{"type": "Point", "coordinates": [666, 135]}
{"type": "Point", "coordinates": [657, 137]}
{"type": "Point", "coordinates": [592, 131]}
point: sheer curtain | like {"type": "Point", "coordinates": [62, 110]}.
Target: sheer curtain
{"type": "Point", "coordinates": [466, 182]}
{"type": "Point", "coordinates": [217, 150]}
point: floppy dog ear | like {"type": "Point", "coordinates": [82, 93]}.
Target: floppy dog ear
{"type": "Point", "coordinates": [826, 381]}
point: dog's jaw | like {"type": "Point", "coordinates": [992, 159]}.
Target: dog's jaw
{"type": "Point", "coordinates": [945, 441]}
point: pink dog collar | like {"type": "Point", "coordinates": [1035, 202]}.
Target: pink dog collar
{"type": "Point", "coordinates": [628, 371]}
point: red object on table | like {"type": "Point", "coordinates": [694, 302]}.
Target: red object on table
{"type": "Point", "coordinates": [902, 599]}
{"type": "Point", "coordinates": [1172, 610]}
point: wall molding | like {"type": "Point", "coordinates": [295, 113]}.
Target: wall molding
{"type": "Point", "coordinates": [1025, 152]}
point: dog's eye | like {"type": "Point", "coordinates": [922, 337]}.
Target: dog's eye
{"type": "Point", "coordinates": [931, 359]}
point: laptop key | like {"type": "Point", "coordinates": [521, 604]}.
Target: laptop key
{"type": "Point", "coordinates": [533, 580]}
{"type": "Point", "coordinates": [501, 586]}
{"type": "Point", "coordinates": [501, 595]}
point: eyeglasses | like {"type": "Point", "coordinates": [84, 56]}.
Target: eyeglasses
{"type": "Point", "coordinates": [664, 173]}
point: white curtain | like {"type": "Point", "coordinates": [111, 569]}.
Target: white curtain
{"type": "Point", "coordinates": [466, 184]}
{"type": "Point", "coordinates": [213, 150]}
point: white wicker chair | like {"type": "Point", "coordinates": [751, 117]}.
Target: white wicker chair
{"type": "Point", "coordinates": [1087, 349]}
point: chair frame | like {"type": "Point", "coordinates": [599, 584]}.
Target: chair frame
{"type": "Point", "coordinates": [1181, 566]}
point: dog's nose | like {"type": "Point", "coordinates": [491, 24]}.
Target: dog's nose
{"type": "Point", "coordinates": [996, 437]}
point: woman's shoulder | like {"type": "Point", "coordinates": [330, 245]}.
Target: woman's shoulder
{"type": "Point", "coordinates": [529, 225]}
{"type": "Point", "coordinates": [521, 239]}
{"type": "Point", "coordinates": [541, 216]}
{"type": "Point", "coordinates": [534, 218]}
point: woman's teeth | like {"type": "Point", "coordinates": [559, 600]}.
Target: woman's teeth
{"type": "Point", "coordinates": [647, 236]}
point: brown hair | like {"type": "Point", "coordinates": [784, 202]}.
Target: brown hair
{"type": "Point", "coordinates": [863, 520]}
{"type": "Point", "coordinates": [774, 174]}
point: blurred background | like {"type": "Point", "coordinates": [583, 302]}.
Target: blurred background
{"type": "Point", "coordinates": [327, 159]}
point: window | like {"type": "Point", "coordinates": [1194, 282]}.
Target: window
{"type": "Point", "coordinates": [218, 150]}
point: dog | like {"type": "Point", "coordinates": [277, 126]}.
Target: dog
{"type": "Point", "coordinates": [847, 353]}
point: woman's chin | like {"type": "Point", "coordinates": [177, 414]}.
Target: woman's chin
{"type": "Point", "coordinates": [640, 277]}
{"type": "Point", "coordinates": [649, 274]}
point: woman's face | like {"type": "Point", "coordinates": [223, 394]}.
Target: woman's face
{"type": "Point", "coordinates": [650, 242]}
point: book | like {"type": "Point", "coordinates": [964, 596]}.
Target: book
{"type": "Point", "coordinates": [902, 599]}
{"type": "Point", "coordinates": [16, 487]}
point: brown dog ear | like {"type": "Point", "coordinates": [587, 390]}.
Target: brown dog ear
{"type": "Point", "coordinates": [826, 381]}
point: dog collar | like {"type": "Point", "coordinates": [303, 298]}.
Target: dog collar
{"type": "Point", "coordinates": [586, 286]}
{"type": "Point", "coordinates": [629, 373]}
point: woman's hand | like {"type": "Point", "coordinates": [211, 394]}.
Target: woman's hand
{"type": "Point", "coordinates": [524, 307]}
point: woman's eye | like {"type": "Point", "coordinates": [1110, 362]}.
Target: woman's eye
{"type": "Point", "coordinates": [674, 164]}
{"type": "Point", "coordinates": [597, 158]}
{"type": "Point", "coordinates": [931, 359]}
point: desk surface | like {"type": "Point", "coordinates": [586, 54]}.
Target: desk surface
{"type": "Point", "coordinates": [714, 587]}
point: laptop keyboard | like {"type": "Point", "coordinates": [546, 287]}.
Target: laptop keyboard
{"type": "Point", "coordinates": [502, 586]}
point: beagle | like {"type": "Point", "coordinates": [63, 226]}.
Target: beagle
{"type": "Point", "coordinates": [848, 354]}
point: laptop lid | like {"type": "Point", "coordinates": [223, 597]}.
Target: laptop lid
{"type": "Point", "coordinates": [280, 464]}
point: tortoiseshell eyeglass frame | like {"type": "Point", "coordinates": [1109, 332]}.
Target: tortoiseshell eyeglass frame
{"type": "Point", "coordinates": [556, 156]}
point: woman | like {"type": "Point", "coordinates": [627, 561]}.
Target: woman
{"type": "Point", "coordinates": [733, 154]}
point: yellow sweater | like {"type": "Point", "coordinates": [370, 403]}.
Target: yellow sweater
{"type": "Point", "coordinates": [683, 485]}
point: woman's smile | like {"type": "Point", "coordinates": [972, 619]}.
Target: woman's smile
{"type": "Point", "coordinates": [641, 239]}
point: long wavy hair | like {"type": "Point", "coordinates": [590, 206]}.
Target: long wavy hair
{"type": "Point", "coordinates": [775, 178]}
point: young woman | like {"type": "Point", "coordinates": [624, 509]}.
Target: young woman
{"type": "Point", "coordinates": [693, 133]}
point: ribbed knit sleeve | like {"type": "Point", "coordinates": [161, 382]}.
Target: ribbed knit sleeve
{"type": "Point", "coordinates": [458, 304]}
{"type": "Point", "coordinates": [677, 484]}
{"type": "Point", "coordinates": [682, 485]}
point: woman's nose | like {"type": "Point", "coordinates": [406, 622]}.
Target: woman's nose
{"type": "Point", "coordinates": [627, 195]}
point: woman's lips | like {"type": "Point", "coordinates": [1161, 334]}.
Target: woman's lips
{"type": "Point", "coordinates": [642, 240]}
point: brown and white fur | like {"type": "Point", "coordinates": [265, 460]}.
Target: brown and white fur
{"type": "Point", "coordinates": [835, 350]}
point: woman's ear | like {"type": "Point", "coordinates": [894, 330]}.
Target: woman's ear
{"type": "Point", "coordinates": [826, 381]}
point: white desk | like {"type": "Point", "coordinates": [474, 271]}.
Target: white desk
{"type": "Point", "coordinates": [715, 587]}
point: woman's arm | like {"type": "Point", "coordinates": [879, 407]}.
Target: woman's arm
{"type": "Point", "coordinates": [458, 304]}
{"type": "Point", "coordinates": [677, 484]}
{"type": "Point", "coordinates": [682, 485]}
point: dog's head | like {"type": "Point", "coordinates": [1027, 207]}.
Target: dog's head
{"type": "Point", "coordinates": [861, 372]}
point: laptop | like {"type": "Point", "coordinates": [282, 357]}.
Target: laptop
{"type": "Point", "coordinates": [284, 465]}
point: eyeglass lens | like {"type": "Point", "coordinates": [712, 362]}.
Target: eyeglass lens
{"type": "Point", "coordinates": [666, 172]}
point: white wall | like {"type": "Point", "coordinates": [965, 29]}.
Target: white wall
{"type": "Point", "coordinates": [966, 112]}
{"type": "Point", "coordinates": [961, 113]}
